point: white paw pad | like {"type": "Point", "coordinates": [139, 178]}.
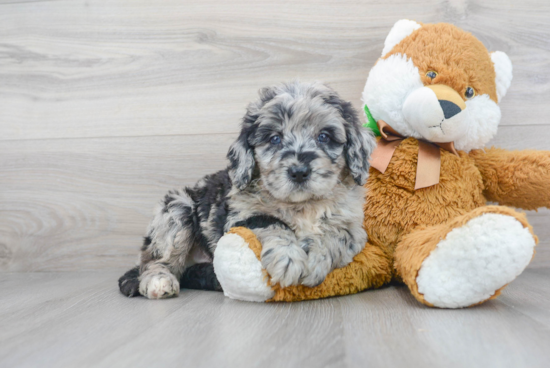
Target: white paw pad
{"type": "Point", "coordinates": [475, 260]}
{"type": "Point", "coordinates": [159, 286]}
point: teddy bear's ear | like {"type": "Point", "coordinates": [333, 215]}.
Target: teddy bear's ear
{"type": "Point", "coordinates": [503, 71]}
{"type": "Point", "coordinates": [401, 29]}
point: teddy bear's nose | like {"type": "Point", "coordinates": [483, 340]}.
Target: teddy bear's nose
{"type": "Point", "coordinates": [450, 109]}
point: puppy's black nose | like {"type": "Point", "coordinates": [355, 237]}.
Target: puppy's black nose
{"type": "Point", "coordinates": [299, 174]}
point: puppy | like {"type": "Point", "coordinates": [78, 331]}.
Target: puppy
{"type": "Point", "coordinates": [295, 179]}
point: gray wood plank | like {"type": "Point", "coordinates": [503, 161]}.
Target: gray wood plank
{"type": "Point", "coordinates": [102, 328]}
{"type": "Point", "coordinates": [85, 204]}
{"type": "Point", "coordinates": [243, 334]}
{"type": "Point", "coordinates": [514, 137]}
{"type": "Point", "coordinates": [540, 221]}
{"type": "Point", "coordinates": [70, 319]}
{"type": "Point", "coordinates": [531, 295]}
{"type": "Point", "coordinates": [81, 326]}
{"type": "Point", "coordinates": [118, 68]}
{"type": "Point", "coordinates": [387, 328]}
{"type": "Point", "coordinates": [10, 2]}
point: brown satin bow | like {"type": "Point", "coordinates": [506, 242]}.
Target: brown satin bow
{"type": "Point", "coordinates": [429, 156]}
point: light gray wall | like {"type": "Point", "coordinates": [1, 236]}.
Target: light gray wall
{"type": "Point", "coordinates": [105, 105]}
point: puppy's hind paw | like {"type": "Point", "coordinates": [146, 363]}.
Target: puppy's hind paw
{"type": "Point", "coordinates": [129, 283]}
{"type": "Point", "coordinates": [159, 286]}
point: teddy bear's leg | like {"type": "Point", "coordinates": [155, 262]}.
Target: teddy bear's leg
{"type": "Point", "coordinates": [239, 270]}
{"type": "Point", "coordinates": [467, 260]}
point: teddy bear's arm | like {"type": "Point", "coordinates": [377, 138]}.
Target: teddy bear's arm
{"type": "Point", "coordinates": [515, 178]}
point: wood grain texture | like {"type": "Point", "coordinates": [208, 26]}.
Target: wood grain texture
{"type": "Point", "coordinates": [79, 319]}
{"type": "Point", "coordinates": [105, 105]}
{"type": "Point", "coordinates": [119, 68]}
{"type": "Point", "coordinates": [394, 332]}
{"type": "Point", "coordinates": [85, 204]}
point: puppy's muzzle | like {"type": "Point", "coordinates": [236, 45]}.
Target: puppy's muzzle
{"type": "Point", "coordinates": [299, 173]}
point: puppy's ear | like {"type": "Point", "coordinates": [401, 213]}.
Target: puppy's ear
{"type": "Point", "coordinates": [360, 142]}
{"type": "Point", "coordinates": [241, 159]}
{"type": "Point", "coordinates": [359, 146]}
{"type": "Point", "coordinates": [241, 152]}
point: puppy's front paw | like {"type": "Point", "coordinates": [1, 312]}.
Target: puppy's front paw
{"type": "Point", "coordinates": [318, 268]}
{"type": "Point", "coordinates": [314, 279]}
{"type": "Point", "coordinates": [285, 265]}
{"type": "Point", "coordinates": [159, 285]}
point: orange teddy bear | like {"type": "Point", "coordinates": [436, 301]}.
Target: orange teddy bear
{"type": "Point", "coordinates": [433, 98]}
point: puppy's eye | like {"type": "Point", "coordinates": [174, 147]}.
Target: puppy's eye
{"type": "Point", "coordinates": [431, 74]}
{"type": "Point", "coordinates": [470, 92]}
{"type": "Point", "coordinates": [275, 140]}
{"type": "Point", "coordinates": [323, 138]}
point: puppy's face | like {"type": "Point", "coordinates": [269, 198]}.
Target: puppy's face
{"type": "Point", "coordinates": [302, 139]}
{"type": "Point", "coordinates": [299, 147]}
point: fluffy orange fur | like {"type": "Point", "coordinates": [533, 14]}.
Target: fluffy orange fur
{"type": "Point", "coordinates": [464, 63]}
{"type": "Point", "coordinates": [515, 178]}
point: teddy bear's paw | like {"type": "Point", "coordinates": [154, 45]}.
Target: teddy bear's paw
{"type": "Point", "coordinates": [475, 260]}
{"type": "Point", "coordinates": [239, 271]}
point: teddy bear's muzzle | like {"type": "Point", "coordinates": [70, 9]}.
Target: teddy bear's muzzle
{"type": "Point", "coordinates": [437, 112]}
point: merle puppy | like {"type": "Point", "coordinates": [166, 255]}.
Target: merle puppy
{"type": "Point", "coordinates": [295, 178]}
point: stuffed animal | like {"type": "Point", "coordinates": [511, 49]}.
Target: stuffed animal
{"type": "Point", "coordinates": [433, 99]}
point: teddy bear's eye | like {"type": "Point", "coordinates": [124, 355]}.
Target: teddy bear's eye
{"type": "Point", "coordinates": [470, 92]}
{"type": "Point", "coordinates": [431, 74]}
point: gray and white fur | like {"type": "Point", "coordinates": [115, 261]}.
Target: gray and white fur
{"type": "Point", "coordinates": [295, 178]}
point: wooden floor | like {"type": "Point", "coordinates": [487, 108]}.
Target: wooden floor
{"type": "Point", "coordinates": [73, 319]}
{"type": "Point", "coordinates": [105, 105]}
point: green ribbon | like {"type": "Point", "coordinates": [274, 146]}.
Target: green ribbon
{"type": "Point", "coordinates": [371, 124]}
